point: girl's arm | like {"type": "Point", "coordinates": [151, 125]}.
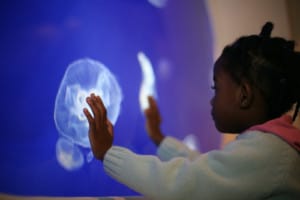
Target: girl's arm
{"type": "Point", "coordinates": [153, 121]}
{"type": "Point", "coordinates": [168, 147]}
{"type": "Point", "coordinates": [245, 170]}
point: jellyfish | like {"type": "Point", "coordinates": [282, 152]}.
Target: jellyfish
{"type": "Point", "coordinates": [68, 154]}
{"type": "Point", "coordinates": [148, 81]}
{"type": "Point", "coordinates": [82, 77]}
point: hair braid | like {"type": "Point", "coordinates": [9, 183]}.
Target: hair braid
{"type": "Point", "coordinates": [269, 64]}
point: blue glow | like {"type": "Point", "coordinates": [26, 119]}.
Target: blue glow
{"type": "Point", "coordinates": [158, 3]}
{"type": "Point", "coordinates": [82, 77]}
{"type": "Point", "coordinates": [36, 50]}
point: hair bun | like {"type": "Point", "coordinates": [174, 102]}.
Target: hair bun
{"type": "Point", "coordinates": [266, 30]}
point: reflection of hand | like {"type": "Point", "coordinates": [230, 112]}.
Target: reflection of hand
{"type": "Point", "coordinates": [153, 121]}
{"type": "Point", "coordinates": [100, 128]}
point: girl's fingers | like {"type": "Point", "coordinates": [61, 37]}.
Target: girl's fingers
{"type": "Point", "coordinates": [152, 103]}
{"type": "Point", "coordinates": [100, 105]}
{"type": "Point", "coordinates": [97, 108]}
{"type": "Point", "coordinates": [153, 106]}
{"type": "Point", "coordinates": [90, 100]}
{"type": "Point", "coordinates": [109, 127]}
{"type": "Point", "coordinates": [89, 117]}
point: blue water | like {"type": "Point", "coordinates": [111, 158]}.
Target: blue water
{"type": "Point", "coordinates": [40, 39]}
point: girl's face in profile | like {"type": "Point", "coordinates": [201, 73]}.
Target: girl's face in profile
{"type": "Point", "coordinates": [225, 105]}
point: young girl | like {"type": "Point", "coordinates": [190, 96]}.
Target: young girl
{"type": "Point", "coordinates": [256, 82]}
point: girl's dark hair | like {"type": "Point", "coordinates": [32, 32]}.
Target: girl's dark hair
{"type": "Point", "coordinates": [269, 64]}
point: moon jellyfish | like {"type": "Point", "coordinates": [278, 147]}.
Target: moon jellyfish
{"type": "Point", "coordinates": [68, 154]}
{"type": "Point", "coordinates": [82, 77]}
{"type": "Point", "coordinates": [148, 81]}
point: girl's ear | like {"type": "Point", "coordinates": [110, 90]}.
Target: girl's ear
{"type": "Point", "coordinates": [246, 95]}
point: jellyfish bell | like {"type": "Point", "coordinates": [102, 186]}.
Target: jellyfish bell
{"type": "Point", "coordinates": [68, 155]}
{"type": "Point", "coordinates": [83, 77]}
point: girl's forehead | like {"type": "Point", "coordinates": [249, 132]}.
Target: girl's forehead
{"type": "Point", "coordinates": [219, 67]}
{"type": "Point", "coordinates": [221, 74]}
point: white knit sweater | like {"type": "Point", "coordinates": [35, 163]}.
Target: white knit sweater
{"type": "Point", "coordinates": [256, 165]}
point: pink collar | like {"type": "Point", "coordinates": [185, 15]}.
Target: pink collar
{"type": "Point", "coordinates": [283, 128]}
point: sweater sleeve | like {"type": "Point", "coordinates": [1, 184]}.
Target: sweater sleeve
{"type": "Point", "coordinates": [242, 171]}
{"type": "Point", "coordinates": [171, 147]}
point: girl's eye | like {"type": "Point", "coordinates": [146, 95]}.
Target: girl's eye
{"type": "Point", "coordinates": [213, 87]}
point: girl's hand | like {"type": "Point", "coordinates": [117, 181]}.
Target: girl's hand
{"type": "Point", "coordinates": [100, 128]}
{"type": "Point", "coordinates": [153, 121]}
